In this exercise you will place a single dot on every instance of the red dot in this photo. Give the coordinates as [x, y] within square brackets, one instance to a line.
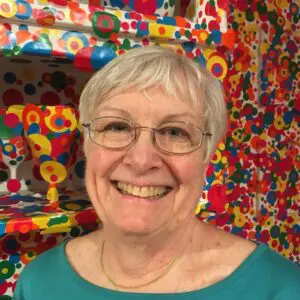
[133, 24]
[13, 154]
[143, 26]
[37, 147]
[50, 98]
[13, 185]
[12, 96]
[125, 26]
[53, 178]
[11, 120]
[68, 123]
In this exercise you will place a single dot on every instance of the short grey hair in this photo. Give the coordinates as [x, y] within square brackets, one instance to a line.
[147, 67]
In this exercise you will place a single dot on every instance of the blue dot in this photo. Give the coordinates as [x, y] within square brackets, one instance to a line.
[9, 77]
[27, 182]
[14, 258]
[177, 35]
[29, 89]
[59, 122]
[217, 69]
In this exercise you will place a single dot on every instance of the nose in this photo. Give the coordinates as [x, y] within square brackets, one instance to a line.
[143, 156]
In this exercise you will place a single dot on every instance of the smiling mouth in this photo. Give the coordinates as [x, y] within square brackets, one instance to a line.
[149, 192]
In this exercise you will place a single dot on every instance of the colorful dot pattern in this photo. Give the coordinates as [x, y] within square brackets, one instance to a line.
[253, 180]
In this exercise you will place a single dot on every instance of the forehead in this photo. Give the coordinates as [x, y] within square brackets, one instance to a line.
[153, 103]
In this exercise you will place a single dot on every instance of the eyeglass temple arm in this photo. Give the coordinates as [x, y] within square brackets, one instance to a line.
[207, 134]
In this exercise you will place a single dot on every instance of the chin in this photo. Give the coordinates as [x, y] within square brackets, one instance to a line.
[135, 227]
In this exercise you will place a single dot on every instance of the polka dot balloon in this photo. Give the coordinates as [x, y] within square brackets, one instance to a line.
[51, 131]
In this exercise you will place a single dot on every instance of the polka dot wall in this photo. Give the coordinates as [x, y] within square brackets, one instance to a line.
[253, 178]
[259, 160]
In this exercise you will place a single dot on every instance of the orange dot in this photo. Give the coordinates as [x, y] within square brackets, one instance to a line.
[50, 169]
[73, 5]
[32, 118]
[162, 30]
[113, 36]
[21, 8]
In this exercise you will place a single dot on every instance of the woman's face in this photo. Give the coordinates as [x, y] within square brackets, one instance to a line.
[111, 175]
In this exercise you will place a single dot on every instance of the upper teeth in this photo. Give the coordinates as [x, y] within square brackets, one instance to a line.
[144, 191]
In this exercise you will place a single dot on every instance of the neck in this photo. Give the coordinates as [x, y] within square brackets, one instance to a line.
[132, 260]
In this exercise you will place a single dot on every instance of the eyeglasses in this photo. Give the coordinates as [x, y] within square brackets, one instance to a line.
[171, 137]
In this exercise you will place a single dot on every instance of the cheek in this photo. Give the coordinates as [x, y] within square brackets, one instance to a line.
[100, 161]
[188, 170]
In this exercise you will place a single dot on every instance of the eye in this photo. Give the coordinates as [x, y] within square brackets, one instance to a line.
[173, 132]
[116, 127]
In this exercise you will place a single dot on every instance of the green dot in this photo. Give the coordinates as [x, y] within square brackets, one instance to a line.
[229, 105]
[203, 25]
[235, 26]
[7, 269]
[236, 114]
[3, 176]
[282, 237]
[13, 162]
[50, 136]
[126, 43]
[18, 265]
[75, 231]
[187, 33]
[166, 5]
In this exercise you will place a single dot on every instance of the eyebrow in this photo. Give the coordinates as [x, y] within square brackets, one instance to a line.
[169, 117]
[118, 110]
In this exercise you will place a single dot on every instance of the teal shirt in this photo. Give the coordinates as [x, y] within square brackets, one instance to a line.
[263, 275]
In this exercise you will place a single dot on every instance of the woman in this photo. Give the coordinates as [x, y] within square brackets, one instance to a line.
[153, 119]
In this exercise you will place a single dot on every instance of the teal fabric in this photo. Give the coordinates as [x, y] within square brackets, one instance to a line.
[263, 275]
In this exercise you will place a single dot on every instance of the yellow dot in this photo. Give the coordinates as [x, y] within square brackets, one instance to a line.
[238, 66]
[4, 271]
[203, 36]
[222, 146]
[8, 148]
[224, 160]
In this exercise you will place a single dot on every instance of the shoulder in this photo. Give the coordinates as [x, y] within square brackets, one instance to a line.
[273, 263]
[48, 259]
[43, 268]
